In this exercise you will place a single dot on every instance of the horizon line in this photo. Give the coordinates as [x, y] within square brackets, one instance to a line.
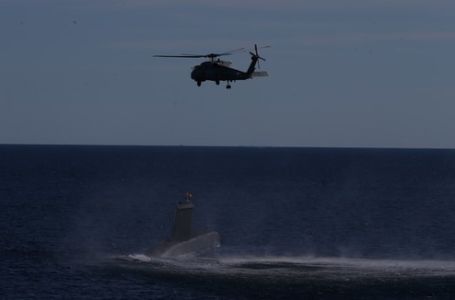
[228, 146]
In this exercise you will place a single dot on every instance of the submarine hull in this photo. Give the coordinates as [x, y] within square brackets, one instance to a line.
[199, 245]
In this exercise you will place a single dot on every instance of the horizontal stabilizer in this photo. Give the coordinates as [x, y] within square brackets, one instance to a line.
[260, 74]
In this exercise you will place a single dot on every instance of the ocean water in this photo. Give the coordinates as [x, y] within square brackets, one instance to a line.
[295, 223]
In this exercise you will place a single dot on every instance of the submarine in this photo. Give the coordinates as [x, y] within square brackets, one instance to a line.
[184, 241]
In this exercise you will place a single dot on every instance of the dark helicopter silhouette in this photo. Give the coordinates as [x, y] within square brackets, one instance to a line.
[218, 70]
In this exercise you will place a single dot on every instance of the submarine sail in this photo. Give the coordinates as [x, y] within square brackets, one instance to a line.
[183, 220]
[183, 240]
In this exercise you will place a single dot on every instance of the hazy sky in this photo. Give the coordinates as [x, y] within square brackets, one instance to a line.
[350, 73]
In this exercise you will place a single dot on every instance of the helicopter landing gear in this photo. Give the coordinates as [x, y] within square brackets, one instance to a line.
[217, 82]
[198, 83]
[228, 86]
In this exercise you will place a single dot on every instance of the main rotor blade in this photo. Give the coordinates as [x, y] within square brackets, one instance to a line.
[181, 56]
[232, 51]
[210, 55]
[213, 55]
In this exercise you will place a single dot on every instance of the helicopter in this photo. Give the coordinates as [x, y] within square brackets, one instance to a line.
[218, 70]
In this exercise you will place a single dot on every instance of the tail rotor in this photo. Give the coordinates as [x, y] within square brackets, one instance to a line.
[256, 54]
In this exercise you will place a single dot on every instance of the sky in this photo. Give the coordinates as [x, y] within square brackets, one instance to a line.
[350, 73]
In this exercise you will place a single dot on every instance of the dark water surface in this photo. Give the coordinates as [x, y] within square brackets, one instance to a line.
[295, 223]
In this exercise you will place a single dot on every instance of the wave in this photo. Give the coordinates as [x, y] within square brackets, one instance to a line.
[293, 277]
[296, 266]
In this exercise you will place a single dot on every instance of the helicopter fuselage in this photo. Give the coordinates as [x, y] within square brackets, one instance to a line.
[214, 71]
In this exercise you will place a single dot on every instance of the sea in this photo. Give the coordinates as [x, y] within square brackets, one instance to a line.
[76, 222]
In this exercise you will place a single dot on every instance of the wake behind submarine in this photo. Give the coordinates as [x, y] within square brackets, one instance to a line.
[183, 240]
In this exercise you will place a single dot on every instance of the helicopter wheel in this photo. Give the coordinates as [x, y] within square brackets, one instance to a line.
[228, 86]
[217, 82]
[198, 83]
